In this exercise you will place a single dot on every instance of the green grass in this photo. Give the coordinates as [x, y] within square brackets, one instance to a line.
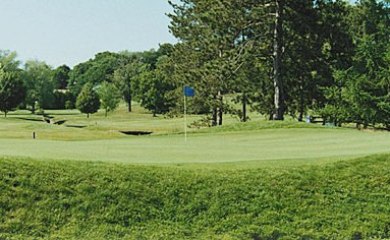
[21, 124]
[84, 200]
[270, 144]
[255, 180]
[254, 143]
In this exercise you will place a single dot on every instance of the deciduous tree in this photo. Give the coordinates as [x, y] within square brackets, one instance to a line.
[12, 91]
[109, 97]
[88, 100]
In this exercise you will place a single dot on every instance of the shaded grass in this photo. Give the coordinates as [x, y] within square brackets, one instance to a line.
[86, 200]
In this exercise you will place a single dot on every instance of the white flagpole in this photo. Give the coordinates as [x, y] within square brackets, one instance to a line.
[185, 118]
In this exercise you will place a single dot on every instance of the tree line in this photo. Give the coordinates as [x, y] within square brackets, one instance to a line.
[324, 58]
[100, 82]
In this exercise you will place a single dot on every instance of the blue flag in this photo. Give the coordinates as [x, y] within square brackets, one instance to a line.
[189, 91]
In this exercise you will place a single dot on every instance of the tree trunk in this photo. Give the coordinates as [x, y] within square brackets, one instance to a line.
[220, 119]
[5, 113]
[220, 109]
[129, 104]
[214, 119]
[244, 101]
[105, 114]
[278, 52]
[301, 104]
[33, 108]
[214, 116]
[87, 115]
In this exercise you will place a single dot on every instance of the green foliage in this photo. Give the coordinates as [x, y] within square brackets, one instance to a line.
[97, 70]
[8, 61]
[125, 77]
[155, 88]
[109, 97]
[12, 91]
[61, 77]
[66, 200]
[330, 58]
[88, 100]
[213, 47]
[37, 78]
[365, 86]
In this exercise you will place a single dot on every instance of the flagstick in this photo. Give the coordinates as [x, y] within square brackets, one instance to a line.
[185, 118]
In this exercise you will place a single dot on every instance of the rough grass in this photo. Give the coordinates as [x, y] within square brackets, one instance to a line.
[82, 200]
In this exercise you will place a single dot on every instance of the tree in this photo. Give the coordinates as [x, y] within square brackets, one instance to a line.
[12, 91]
[124, 76]
[60, 80]
[212, 48]
[278, 61]
[363, 91]
[109, 97]
[38, 80]
[155, 88]
[96, 71]
[88, 100]
[8, 61]
[61, 77]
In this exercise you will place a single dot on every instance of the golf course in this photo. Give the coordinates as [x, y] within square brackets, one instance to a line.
[85, 178]
[195, 120]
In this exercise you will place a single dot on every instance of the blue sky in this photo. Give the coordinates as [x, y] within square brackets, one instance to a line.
[72, 31]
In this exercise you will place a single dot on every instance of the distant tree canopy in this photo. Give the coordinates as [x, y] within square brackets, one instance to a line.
[37, 78]
[97, 70]
[61, 77]
[324, 58]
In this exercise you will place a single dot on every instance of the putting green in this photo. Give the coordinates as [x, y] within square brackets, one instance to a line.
[269, 144]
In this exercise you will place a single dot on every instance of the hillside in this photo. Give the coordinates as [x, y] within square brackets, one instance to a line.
[86, 200]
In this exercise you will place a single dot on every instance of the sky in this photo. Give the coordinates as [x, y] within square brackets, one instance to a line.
[73, 31]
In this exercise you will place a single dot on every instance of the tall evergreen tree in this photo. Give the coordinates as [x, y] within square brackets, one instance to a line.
[368, 86]
[211, 34]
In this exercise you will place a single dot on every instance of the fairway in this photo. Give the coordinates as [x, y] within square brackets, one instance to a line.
[307, 144]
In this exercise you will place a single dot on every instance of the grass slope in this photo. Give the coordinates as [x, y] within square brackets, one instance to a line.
[81, 200]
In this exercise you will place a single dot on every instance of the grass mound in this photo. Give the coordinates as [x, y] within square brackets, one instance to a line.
[81, 200]
[259, 125]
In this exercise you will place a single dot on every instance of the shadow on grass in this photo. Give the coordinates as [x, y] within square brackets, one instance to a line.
[136, 133]
[76, 126]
